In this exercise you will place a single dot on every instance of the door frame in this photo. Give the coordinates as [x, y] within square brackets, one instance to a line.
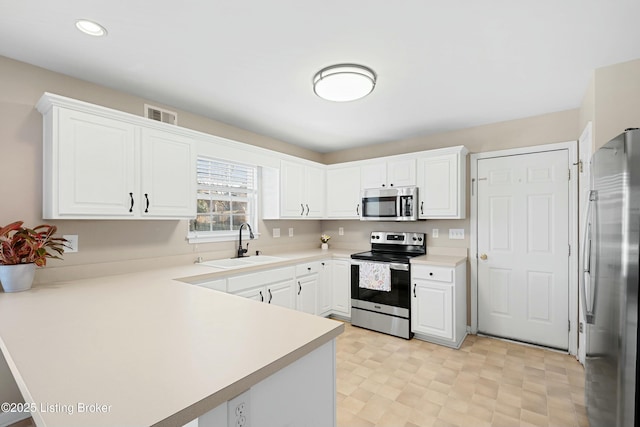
[572, 169]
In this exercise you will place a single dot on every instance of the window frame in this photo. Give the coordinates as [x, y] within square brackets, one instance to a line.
[253, 201]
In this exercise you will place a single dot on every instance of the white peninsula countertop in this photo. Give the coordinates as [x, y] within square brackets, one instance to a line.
[143, 349]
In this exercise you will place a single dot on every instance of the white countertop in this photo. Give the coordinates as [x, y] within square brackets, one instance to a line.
[439, 260]
[152, 349]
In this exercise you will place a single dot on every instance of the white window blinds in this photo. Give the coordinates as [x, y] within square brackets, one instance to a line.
[227, 197]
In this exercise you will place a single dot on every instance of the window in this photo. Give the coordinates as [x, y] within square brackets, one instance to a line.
[227, 197]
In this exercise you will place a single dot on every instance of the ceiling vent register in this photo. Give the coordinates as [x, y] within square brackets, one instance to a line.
[160, 114]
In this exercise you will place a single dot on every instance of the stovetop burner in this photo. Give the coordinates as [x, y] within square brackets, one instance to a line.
[394, 247]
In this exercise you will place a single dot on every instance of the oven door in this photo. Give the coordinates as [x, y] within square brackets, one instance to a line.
[397, 296]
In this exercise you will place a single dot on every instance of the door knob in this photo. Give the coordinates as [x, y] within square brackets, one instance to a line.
[483, 257]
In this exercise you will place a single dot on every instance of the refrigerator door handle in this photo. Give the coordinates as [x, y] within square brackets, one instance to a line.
[586, 260]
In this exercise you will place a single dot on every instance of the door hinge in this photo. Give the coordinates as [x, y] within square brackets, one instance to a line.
[581, 328]
[569, 250]
[569, 174]
[569, 325]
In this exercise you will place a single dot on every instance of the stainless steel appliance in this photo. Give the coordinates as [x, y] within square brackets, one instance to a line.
[390, 204]
[610, 283]
[381, 282]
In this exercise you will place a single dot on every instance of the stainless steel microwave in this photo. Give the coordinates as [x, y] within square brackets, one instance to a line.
[390, 204]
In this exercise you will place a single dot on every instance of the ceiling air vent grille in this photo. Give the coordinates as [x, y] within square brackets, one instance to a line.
[160, 114]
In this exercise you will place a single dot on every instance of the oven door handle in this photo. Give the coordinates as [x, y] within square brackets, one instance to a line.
[392, 265]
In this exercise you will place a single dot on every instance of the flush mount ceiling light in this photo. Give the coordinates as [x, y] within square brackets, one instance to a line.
[91, 28]
[344, 82]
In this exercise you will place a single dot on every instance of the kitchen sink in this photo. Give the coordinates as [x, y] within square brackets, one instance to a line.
[241, 262]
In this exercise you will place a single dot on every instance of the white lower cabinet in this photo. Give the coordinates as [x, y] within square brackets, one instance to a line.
[301, 394]
[341, 288]
[439, 304]
[322, 288]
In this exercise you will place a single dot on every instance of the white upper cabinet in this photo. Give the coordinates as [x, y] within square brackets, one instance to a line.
[343, 192]
[104, 164]
[302, 190]
[391, 173]
[442, 183]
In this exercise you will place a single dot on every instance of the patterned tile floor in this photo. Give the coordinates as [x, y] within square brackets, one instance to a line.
[390, 382]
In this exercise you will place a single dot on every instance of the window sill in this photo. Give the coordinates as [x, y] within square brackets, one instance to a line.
[194, 238]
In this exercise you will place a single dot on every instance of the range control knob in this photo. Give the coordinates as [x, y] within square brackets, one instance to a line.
[415, 238]
[420, 239]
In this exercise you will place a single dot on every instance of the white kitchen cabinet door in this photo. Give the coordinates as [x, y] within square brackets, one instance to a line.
[401, 173]
[168, 181]
[442, 189]
[324, 289]
[307, 294]
[90, 166]
[341, 287]
[292, 179]
[281, 294]
[343, 192]
[373, 175]
[432, 309]
[315, 192]
[302, 190]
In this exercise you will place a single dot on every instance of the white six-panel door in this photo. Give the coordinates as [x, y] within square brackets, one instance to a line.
[523, 247]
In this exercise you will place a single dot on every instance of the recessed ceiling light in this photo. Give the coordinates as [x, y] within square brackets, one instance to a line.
[344, 82]
[91, 28]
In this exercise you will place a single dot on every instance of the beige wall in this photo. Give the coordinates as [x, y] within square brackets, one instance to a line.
[616, 100]
[544, 129]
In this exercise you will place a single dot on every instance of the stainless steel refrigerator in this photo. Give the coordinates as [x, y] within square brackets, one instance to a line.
[610, 283]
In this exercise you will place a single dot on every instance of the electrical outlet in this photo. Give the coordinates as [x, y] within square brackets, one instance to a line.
[435, 232]
[276, 232]
[239, 410]
[456, 234]
[340, 231]
[291, 232]
[72, 243]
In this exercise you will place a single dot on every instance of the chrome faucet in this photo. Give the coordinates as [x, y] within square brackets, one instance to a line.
[242, 251]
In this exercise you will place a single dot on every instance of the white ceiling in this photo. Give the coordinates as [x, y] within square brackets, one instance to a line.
[442, 65]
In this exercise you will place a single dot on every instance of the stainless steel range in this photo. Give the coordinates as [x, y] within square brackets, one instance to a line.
[381, 282]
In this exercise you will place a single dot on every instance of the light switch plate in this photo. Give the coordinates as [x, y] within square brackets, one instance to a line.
[276, 232]
[291, 232]
[340, 231]
[435, 232]
[456, 233]
[72, 243]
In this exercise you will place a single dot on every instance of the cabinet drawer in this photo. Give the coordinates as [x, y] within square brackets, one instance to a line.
[265, 277]
[427, 272]
[308, 268]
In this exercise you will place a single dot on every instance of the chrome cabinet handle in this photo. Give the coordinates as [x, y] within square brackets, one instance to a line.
[307, 210]
[299, 287]
[146, 196]
[270, 296]
[302, 211]
[422, 208]
[414, 290]
[131, 207]
[358, 209]
[261, 297]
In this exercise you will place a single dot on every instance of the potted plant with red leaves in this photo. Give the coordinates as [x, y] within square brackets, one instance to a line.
[22, 249]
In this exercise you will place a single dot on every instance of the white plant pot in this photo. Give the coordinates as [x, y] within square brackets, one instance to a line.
[18, 277]
[325, 246]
